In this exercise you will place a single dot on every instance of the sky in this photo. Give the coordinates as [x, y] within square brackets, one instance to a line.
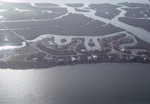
[79, 1]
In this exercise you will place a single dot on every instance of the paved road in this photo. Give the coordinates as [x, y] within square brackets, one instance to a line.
[22, 38]
[30, 43]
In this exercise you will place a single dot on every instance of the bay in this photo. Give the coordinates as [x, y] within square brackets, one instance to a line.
[104, 83]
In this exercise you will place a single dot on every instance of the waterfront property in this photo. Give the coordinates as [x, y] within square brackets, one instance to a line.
[50, 50]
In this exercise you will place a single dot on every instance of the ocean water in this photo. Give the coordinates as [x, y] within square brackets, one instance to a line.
[104, 83]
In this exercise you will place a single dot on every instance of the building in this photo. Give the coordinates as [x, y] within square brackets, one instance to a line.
[83, 50]
[59, 61]
[79, 59]
[122, 50]
[73, 59]
[48, 59]
[132, 58]
[34, 60]
[89, 58]
[50, 43]
[120, 56]
[95, 58]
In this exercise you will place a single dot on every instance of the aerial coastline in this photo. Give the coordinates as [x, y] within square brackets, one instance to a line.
[51, 38]
[54, 50]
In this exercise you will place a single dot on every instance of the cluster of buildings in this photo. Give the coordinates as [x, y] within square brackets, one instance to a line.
[63, 60]
[85, 55]
[131, 54]
[108, 39]
[50, 43]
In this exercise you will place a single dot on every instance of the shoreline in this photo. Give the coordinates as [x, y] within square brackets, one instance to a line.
[76, 42]
[38, 55]
[31, 65]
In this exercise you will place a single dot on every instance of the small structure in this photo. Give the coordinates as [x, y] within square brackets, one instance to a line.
[59, 61]
[48, 59]
[120, 56]
[34, 60]
[95, 58]
[73, 59]
[122, 50]
[50, 43]
[79, 59]
[132, 58]
[83, 50]
[89, 58]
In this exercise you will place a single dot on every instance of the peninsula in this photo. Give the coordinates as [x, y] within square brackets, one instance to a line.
[44, 35]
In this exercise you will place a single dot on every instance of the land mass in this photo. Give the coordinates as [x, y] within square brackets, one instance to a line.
[46, 35]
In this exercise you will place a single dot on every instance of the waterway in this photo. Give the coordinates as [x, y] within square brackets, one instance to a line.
[79, 1]
[104, 83]
[139, 32]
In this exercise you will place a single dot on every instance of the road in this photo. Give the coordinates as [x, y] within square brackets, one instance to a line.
[32, 45]
[23, 39]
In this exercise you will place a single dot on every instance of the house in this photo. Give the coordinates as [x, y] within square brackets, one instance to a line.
[73, 59]
[132, 58]
[83, 50]
[59, 61]
[79, 59]
[34, 60]
[89, 58]
[95, 57]
[122, 50]
[120, 56]
[48, 59]
[49, 43]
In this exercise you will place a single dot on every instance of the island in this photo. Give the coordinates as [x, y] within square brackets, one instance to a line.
[44, 35]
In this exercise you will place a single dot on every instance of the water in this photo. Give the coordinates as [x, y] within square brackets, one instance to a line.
[106, 83]
[79, 1]
[139, 32]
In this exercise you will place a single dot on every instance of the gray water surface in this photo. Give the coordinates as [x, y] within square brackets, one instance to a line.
[105, 83]
[79, 1]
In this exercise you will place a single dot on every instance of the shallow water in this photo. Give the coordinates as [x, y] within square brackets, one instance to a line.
[105, 83]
